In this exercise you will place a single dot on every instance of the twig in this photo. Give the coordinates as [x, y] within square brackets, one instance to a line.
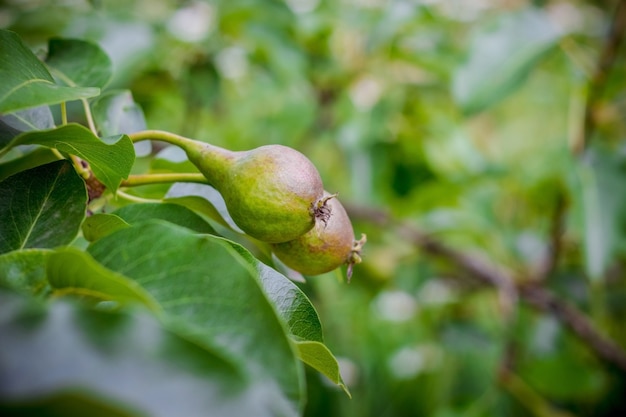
[479, 269]
[536, 296]
[606, 59]
[554, 246]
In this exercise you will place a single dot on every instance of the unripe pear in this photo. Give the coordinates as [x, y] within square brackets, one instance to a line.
[273, 193]
[327, 246]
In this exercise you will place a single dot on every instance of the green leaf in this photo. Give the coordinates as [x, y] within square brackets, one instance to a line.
[291, 303]
[25, 80]
[65, 359]
[26, 158]
[13, 124]
[317, 355]
[42, 207]
[602, 177]
[111, 159]
[203, 199]
[99, 225]
[501, 55]
[79, 63]
[75, 272]
[209, 292]
[173, 213]
[115, 112]
[300, 315]
[25, 271]
[301, 318]
[36, 118]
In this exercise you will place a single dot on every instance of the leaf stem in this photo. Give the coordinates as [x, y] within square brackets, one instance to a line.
[63, 113]
[89, 117]
[145, 179]
[82, 168]
[56, 153]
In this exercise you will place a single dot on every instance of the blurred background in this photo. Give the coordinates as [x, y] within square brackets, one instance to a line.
[479, 144]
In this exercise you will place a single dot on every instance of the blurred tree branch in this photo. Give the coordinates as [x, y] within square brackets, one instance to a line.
[599, 78]
[554, 246]
[533, 293]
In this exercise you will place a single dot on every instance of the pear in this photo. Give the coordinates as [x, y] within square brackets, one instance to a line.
[273, 193]
[325, 247]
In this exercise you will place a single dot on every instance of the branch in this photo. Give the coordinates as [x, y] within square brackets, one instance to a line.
[478, 268]
[536, 296]
[554, 246]
[578, 323]
[606, 59]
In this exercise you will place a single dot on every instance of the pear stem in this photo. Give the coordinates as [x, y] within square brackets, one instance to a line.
[164, 136]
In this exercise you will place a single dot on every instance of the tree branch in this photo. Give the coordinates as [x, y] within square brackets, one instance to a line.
[554, 246]
[533, 294]
[472, 264]
[599, 78]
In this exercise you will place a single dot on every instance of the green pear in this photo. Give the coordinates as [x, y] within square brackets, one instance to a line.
[273, 193]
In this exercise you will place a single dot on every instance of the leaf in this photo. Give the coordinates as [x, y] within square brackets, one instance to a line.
[111, 159]
[602, 177]
[26, 158]
[25, 80]
[207, 291]
[300, 315]
[301, 318]
[99, 225]
[115, 112]
[42, 207]
[75, 272]
[501, 55]
[173, 213]
[317, 355]
[79, 63]
[12, 124]
[292, 304]
[36, 118]
[25, 271]
[203, 199]
[7, 132]
[64, 359]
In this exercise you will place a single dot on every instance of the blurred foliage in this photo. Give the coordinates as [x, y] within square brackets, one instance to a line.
[460, 117]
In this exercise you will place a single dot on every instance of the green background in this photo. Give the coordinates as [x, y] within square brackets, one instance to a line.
[462, 121]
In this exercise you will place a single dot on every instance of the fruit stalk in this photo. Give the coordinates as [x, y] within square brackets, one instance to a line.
[213, 161]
